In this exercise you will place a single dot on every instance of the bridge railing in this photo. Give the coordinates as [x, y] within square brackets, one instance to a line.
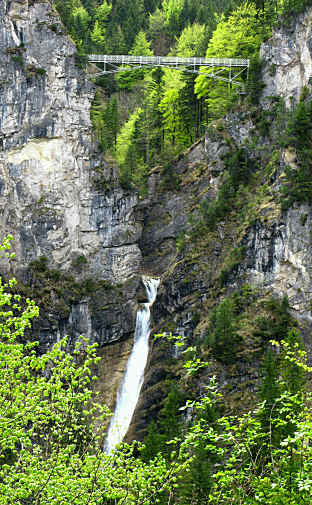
[167, 60]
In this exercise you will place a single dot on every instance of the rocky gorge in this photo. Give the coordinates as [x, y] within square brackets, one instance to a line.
[81, 251]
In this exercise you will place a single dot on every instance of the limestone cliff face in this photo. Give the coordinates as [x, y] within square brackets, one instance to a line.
[279, 257]
[47, 161]
[288, 59]
[48, 154]
[280, 252]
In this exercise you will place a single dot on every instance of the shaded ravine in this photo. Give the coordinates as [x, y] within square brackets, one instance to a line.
[128, 393]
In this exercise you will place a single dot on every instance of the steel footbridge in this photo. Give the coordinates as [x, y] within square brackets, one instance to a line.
[224, 69]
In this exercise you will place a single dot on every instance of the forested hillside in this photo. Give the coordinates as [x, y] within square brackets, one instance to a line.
[147, 117]
[215, 200]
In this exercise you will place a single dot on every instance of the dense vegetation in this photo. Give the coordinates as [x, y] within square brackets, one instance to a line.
[51, 429]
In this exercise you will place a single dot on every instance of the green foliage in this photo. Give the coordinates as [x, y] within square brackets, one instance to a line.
[289, 8]
[40, 264]
[81, 59]
[56, 291]
[239, 168]
[128, 15]
[51, 426]
[192, 41]
[180, 241]
[196, 483]
[80, 21]
[223, 338]
[174, 116]
[141, 47]
[182, 114]
[283, 374]
[293, 356]
[173, 16]
[46, 432]
[169, 426]
[299, 128]
[242, 298]
[260, 458]
[239, 35]
[141, 139]
[105, 121]
[170, 179]
[263, 457]
[276, 323]
[98, 34]
[171, 110]
[18, 59]
[255, 83]
[232, 265]
[157, 32]
[298, 137]
[131, 154]
[270, 388]
[247, 477]
[79, 262]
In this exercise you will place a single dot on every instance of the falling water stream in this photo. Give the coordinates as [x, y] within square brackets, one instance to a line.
[128, 393]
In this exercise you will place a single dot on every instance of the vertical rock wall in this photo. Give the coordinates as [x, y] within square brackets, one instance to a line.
[287, 59]
[48, 158]
[47, 153]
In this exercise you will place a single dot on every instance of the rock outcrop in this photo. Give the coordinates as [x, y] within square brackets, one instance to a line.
[48, 158]
[48, 153]
[287, 59]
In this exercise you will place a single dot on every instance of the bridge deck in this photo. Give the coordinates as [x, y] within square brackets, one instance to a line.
[167, 61]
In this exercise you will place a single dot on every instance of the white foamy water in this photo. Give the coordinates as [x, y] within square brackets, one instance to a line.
[128, 393]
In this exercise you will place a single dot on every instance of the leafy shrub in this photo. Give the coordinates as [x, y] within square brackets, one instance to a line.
[80, 261]
[54, 27]
[40, 264]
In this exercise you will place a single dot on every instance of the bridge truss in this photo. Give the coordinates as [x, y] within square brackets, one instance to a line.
[223, 69]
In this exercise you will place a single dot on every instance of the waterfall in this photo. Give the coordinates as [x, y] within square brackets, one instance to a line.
[128, 393]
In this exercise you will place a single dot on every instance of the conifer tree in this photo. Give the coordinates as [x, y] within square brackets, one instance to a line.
[240, 35]
[269, 393]
[225, 337]
[98, 35]
[80, 23]
[293, 375]
[173, 13]
[141, 47]
[168, 426]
